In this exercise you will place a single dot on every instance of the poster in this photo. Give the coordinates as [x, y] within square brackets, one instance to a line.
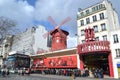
[57, 62]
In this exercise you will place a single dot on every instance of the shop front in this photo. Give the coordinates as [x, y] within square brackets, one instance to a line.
[96, 55]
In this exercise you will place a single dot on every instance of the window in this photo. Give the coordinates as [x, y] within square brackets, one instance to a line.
[100, 6]
[87, 20]
[82, 32]
[97, 7]
[105, 37]
[94, 18]
[115, 37]
[97, 38]
[87, 11]
[95, 28]
[93, 9]
[82, 14]
[82, 22]
[103, 27]
[101, 16]
[117, 52]
[83, 41]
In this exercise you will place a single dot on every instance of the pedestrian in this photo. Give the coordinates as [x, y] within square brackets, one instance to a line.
[7, 72]
[64, 72]
[23, 72]
[73, 75]
[86, 72]
[3, 72]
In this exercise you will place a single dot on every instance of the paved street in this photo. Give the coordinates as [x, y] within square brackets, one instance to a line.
[46, 77]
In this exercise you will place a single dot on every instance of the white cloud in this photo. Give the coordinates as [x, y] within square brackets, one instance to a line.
[60, 9]
[20, 11]
[24, 14]
[71, 42]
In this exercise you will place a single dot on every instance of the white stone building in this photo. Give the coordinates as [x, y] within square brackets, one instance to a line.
[29, 41]
[115, 49]
[40, 42]
[23, 42]
[104, 19]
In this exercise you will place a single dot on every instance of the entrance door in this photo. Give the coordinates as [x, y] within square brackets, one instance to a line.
[97, 61]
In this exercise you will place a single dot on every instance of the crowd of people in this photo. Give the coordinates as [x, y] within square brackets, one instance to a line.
[97, 73]
[4, 71]
[23, 71]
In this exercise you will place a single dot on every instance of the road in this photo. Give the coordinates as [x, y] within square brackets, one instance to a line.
[46, 77]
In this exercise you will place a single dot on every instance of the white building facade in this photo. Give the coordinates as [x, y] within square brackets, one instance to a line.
[23, 42]
[115, 49]
[104, 19]
[40, 42]
[29, 41]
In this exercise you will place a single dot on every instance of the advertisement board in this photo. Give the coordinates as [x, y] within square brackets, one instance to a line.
[57, 62]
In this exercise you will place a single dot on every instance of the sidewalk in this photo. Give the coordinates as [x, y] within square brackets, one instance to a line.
[70, 78]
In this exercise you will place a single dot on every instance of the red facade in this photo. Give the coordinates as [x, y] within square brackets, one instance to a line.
[57, 62]
[92, 47]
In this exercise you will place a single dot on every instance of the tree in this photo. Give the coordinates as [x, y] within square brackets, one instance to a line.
[7, 27]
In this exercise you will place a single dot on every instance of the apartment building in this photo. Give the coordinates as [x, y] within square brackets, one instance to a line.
[104, 19]
[23, 42]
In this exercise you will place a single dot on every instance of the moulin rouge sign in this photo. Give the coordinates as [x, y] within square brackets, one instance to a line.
[57, 62]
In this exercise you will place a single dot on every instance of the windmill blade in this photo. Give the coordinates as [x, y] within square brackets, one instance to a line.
[52, 21]
[65, 21]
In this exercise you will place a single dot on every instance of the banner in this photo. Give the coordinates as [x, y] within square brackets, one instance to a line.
[57, 62]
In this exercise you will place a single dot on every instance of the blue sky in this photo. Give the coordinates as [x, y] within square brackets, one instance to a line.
[28, 13]
[84, 4]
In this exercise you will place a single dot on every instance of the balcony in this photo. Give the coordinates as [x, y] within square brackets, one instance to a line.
[95, 46]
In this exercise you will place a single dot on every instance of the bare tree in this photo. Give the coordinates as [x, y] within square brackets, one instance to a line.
[7, 27]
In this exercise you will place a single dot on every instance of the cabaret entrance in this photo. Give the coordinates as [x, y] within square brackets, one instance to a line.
[95, 54]
[94, 61]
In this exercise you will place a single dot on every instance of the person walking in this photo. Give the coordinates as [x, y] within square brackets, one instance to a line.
[7, 72]
[73, 75]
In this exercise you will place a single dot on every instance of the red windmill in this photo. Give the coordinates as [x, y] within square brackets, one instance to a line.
[59, 36]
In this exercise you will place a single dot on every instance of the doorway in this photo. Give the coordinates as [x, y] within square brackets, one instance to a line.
[97, 61]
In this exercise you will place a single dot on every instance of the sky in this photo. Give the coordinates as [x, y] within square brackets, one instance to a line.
[28, 13]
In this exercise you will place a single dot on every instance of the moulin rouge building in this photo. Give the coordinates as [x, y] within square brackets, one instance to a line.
[103, 18]
[91, 54]
[98, 46]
